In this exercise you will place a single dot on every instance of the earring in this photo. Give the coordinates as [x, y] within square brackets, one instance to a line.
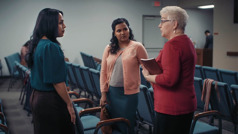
[174, 31]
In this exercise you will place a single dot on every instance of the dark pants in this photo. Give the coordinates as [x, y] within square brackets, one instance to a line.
[121, 105]
[172, 124]
[50, 114]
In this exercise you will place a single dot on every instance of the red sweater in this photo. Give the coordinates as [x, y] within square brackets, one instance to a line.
[174, 92]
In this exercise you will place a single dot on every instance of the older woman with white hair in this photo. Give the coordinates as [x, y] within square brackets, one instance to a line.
[174, 94]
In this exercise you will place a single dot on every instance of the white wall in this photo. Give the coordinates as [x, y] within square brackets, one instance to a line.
[88, 23]
[227, 38]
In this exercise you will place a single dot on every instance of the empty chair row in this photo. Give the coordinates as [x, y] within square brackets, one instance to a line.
[86, 80]
[222, 75]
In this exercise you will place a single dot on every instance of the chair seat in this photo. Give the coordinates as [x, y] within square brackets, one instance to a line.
[89, 121]
[78, 108]
[204, 128]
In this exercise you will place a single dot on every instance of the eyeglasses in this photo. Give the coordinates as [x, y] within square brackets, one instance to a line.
[163, 21]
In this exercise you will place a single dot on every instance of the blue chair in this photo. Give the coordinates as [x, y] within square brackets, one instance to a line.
[89, 61]
[200, 127]
[88, 123]
[222, 101]
[10, 60]
[88, 81]
[3, 124]
[79, 79]
[96, 81]
[210, 72]
[145, 110]
[71, 76]
[143, 80]
[198, 89]
[228, 76]
[4, 129]
[198, 72]
[234, 89]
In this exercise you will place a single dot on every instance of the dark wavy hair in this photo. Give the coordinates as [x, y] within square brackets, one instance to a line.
[46, 25]
[114, 42]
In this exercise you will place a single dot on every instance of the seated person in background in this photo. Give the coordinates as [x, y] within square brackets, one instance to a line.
[24, 50]
[209, 40]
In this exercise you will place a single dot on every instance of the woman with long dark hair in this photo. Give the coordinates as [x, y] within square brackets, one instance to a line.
[120, 73]
[52, 108]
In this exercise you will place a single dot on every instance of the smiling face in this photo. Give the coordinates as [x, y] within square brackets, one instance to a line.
[122, 32]
[61, 26]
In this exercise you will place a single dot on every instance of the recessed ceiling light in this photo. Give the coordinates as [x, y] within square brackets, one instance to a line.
[206, 6]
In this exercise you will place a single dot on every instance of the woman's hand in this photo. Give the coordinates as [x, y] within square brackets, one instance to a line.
[103, 99]
[145, 72]
[148, 77]
[71, 112]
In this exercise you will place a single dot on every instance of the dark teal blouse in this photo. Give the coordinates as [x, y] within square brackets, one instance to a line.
[48, 67]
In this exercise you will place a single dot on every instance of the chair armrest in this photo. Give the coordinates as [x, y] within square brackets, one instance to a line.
[207, 114]
[111, 122]
[83, 100]
[4, 128]
[73, 93]
[89, 111]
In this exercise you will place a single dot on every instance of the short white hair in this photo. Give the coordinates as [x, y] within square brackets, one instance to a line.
[176, 13]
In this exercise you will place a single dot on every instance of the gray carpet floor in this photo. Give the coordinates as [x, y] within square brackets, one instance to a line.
[20, 122]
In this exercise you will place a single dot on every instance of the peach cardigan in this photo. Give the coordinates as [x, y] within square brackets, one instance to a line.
[131, 56]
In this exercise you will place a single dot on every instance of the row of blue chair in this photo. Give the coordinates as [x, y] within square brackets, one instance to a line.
[222, 75]
[86, 80]
[3, 121]
[225, 102]
[146, 110]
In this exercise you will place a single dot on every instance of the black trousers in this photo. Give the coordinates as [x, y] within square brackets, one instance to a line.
[172, 124]
[50, 114]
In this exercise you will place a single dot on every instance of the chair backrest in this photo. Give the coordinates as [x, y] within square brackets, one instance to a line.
[88, 60]
[221, 100]
[198, 89]
[210, 72]
[234, 89]
[145, 106]
[71, 76]
[228, 76]
[96, 80]
[78, 76]
[198, 72]
[88, 80]
[10, 60]
[143, 80]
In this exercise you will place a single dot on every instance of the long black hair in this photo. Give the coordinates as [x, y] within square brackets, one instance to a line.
[46, 25]
[114, 42]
